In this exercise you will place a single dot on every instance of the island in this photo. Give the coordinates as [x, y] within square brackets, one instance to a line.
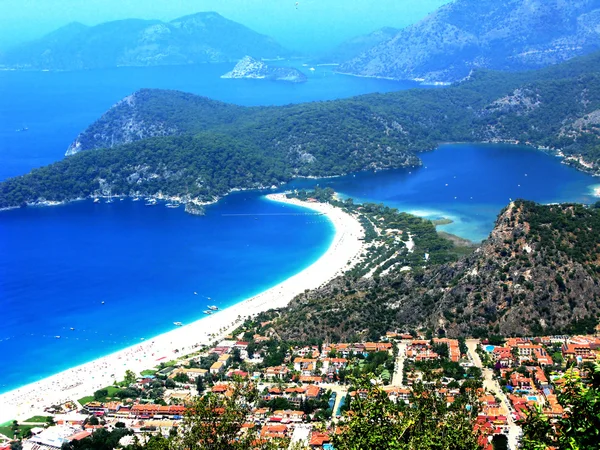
[249, 67]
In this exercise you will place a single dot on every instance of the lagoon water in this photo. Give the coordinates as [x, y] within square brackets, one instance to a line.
[57, 265]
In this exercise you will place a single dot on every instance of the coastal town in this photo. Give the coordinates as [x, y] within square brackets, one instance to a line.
[306, 390]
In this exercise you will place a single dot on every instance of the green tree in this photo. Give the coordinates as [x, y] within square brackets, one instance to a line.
[129, 378]
[100, 395]
[375, 422]
[215, 422]
[579, 429]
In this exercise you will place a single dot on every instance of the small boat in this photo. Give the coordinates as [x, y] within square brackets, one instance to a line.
[172, 205]
[103, 302]
[178, 324]
[96, 200]
[136, 199]
[57, 337]
[150, 202]
[195, 293]
[208, 313]
[213, 308]
[72, 329]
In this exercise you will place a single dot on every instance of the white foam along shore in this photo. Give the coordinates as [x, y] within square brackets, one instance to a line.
[83, 380]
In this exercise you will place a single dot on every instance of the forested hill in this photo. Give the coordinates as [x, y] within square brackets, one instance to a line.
[205, 37]
[537, 273]
[173, 143]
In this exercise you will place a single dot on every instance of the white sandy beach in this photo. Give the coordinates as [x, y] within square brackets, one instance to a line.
[83, 380]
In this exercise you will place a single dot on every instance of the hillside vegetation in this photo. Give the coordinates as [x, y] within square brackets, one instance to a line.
[175, 143]
[537, 273]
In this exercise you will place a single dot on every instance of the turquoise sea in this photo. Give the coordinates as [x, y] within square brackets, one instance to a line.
[58, 264]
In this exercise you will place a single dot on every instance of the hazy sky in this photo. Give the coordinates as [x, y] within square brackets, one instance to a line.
[313, 25]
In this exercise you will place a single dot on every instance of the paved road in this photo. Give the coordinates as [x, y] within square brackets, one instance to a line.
[491, 385]
[399, 366]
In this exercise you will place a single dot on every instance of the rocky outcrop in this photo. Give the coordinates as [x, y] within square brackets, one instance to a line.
[199, 38]
[249, 67]
[122, 124]
[151, 113]
[469, 34]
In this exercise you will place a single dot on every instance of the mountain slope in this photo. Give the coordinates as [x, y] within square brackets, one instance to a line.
[198, 38]
[355, 46]
[537, 273]
[468, 34]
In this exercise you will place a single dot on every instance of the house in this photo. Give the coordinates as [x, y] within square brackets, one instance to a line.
[313, 392]
[274, 431]
[192, 374]
[521, 382]
[334, 363]
[217, 367]
[310, 379]
[276, 372]
[318, 439]
[578, 351]
[305, 366]
[149, 411]
[289, 415]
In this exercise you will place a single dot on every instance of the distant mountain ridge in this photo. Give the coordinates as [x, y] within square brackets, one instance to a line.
[469, 34]
[205, 37]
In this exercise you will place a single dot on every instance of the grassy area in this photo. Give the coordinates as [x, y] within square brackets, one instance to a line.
[147, 372]
[85, 400]
[6, 431]
[23, 430]
[39, 419]
[112, 390]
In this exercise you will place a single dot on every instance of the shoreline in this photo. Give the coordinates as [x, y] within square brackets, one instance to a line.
[84, 379]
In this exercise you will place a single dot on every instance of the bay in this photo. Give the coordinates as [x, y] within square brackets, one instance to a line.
[57, 265]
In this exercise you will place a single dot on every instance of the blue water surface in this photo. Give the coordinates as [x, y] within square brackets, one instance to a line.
[470, 184]
[58, 264]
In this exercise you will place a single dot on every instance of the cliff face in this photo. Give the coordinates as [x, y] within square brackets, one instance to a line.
[536, 273]
[199, 38]
[249, 67]
[470, 34]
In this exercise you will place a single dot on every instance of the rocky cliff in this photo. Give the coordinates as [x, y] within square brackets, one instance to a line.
[249, 67]
[198, 38]
[469, 34]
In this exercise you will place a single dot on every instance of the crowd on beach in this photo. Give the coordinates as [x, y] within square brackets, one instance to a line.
[77, 382]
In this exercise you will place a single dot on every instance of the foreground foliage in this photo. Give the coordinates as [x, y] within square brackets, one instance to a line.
[579, 428]
[375, 422]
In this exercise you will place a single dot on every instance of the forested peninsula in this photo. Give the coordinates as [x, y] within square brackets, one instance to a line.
[170, 143]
